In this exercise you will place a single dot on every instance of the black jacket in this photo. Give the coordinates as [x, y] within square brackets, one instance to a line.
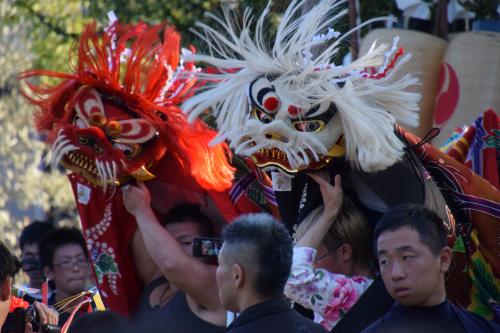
[441, 318]
[274, 316]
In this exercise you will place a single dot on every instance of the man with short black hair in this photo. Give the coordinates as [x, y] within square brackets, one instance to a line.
[254, 265]
[411, 246]
[30, 254]
[65, 262]
[189, 212]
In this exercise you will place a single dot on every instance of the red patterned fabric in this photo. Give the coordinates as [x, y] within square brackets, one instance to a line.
[479, 147]
[108, 229]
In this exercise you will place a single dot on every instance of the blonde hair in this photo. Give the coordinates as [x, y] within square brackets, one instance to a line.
[350, 226]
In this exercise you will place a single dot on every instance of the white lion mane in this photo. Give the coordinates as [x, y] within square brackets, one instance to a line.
[368, 107]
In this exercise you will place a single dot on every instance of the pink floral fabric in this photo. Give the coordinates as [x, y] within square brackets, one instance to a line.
[329, 295]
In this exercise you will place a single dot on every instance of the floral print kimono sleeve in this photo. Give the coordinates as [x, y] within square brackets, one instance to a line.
[329, 295]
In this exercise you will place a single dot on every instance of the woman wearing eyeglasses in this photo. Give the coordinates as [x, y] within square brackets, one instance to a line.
[332, 258]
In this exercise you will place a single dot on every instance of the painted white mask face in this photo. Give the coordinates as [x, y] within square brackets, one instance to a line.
[280, 133]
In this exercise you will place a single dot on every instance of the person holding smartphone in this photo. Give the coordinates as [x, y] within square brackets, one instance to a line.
[181, 293]
[7, 270]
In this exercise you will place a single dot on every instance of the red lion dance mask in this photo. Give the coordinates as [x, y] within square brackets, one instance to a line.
[116, 115]
[115, 118]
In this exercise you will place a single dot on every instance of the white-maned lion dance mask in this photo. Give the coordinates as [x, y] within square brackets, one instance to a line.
[285, 108]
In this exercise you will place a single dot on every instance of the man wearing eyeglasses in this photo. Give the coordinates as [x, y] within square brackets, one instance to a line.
[181, 292]
[66, 264]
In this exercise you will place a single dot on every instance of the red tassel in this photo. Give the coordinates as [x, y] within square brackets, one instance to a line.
[68, 322]
[398, 54]
[45, 292]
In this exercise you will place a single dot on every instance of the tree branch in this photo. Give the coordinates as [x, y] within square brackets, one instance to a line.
[46, 21]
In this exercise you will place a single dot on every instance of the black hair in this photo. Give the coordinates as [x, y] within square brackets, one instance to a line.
[57, 238]
[191, 212]
[100, 322]
[428, 225]
[34, 232]
[259, 241]
[7, 263]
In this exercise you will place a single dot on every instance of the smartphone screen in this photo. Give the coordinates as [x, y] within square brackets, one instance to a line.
[206, 247]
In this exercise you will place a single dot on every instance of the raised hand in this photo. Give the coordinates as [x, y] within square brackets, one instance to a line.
[333, 195]
[136, 199]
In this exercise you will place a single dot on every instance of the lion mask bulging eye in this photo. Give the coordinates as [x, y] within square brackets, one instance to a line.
[129, 150]
[263, 96]
[262, 116]
[309, 125]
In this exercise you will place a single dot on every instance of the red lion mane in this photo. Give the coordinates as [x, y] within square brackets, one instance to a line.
[136, 66]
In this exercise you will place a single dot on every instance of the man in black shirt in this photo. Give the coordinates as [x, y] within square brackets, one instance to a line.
[181, 292]
[412, 251]
[254, 265]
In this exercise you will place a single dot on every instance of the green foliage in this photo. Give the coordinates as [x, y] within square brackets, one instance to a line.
[25, 190]
[383, 8]
[181, 14]
[53, 28]
[484, 9]
[56, 24]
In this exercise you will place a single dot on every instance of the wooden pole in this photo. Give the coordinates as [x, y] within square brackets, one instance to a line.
[354, 42]
[441, 23]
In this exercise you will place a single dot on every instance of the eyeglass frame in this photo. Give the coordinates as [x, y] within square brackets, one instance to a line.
[315, 260]
[322, 256]
[80, 263]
